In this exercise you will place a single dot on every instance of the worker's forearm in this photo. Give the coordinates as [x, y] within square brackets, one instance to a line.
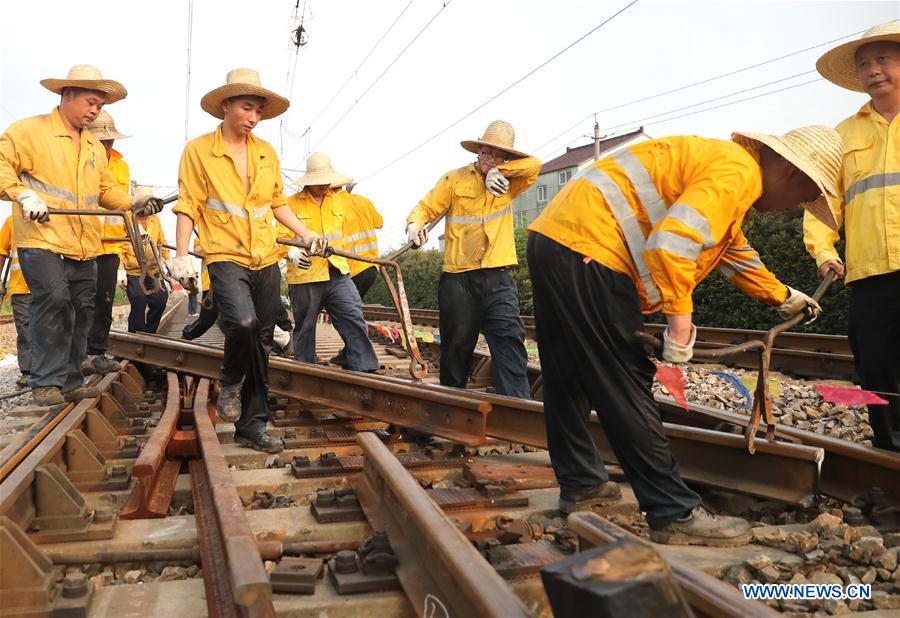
[183, 229]
[679, 327]
[286, 217]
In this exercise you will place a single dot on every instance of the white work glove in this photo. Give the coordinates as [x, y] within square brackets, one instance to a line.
[299, 258]
[796, 302]
[122, 279]
[416, 234]
[33, 207]
[678, 352]
[281, 337]
[496, 183]
[146, 204]
[183, 271]
[317, 243]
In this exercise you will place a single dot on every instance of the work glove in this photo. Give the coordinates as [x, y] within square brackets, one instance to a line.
[318, 244]
[495, 182]
[836, 265]
[122, 279]
[416, 234]
[796, 302]
[146, 204]
[299, 258]
[678, 352]
[281, 337]
[183, 271]
[33, 207]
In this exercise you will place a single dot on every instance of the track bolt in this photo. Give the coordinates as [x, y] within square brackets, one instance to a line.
[345, 562]
[346, 498]
[130, 442]
[280, 414]
[301, 461]
[289, 434]
[325, 497]
[75, 585]
[102, 515]
[119, 470]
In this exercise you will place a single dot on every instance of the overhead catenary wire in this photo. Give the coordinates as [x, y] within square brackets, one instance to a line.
[504, 90]
[187, 72]
[291, 75]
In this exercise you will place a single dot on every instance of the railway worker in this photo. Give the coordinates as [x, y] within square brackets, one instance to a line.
[869, 207]
[146, 309]
[324, 282]
[360, 222]
[633, 233]
[104, 128]
[50, 161]
[229, 186]
[19, 298]
[476, 292]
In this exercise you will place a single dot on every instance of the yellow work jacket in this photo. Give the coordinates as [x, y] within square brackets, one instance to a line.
[326, 219]
[16, 282]
[235, 225]
[154, 232]
[112, 225]
[37, 153]
[204, 271]
[870, 207]
[666, 212]
[479, 230]
[360, 222]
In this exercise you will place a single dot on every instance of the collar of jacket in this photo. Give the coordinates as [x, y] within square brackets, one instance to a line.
[868, 111]
[219, 148]
[114, 154]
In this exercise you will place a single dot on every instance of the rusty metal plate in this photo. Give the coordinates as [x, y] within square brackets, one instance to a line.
[518, 476]
[523, 558]
[296, 575]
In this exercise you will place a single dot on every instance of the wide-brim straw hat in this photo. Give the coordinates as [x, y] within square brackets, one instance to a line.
[104, 128]
[839, 64]
[243, 83]
[814, 150]
[89, 77]
[320, 172]
[499, 135]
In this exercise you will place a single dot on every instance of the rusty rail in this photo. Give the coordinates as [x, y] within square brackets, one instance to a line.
[422, 535]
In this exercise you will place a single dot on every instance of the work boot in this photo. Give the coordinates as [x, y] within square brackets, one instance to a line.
[22, 382]
[79, 393]
[585, 499]
[700, 527]
[46, 396]
[339, 359]
[87, 367]
[228, 406]
[104, 364]
[261, 442]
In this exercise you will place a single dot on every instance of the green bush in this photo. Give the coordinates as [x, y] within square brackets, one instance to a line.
[421, 273]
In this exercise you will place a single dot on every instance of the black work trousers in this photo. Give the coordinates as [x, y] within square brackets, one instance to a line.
[586, 317]
[874, 333]
[248, 303]
[483, 300]
[107, 275]
[209, 313]
[365, 280]
[146, 309]
[62, 307]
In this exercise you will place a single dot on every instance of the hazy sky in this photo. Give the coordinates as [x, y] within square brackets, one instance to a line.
[470, 52]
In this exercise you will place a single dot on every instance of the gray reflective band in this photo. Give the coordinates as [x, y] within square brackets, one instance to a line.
[362, 248]
[236, 211]
[750, 261]
[359, 236]
[674, 243]
[479, 220]
[13, 261]
[92, 200]
[694, 220]
[334, 236]
[643, 185]
[111, 220]
[628, 223]
[53, 191]
[875, 181]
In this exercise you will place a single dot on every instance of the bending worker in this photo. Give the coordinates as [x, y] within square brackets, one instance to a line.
[636, 232]
[146, 309]
[869, 207]
[475, 292]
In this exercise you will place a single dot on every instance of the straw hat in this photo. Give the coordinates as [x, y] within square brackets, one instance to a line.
[320, 172]
[87, 76]
[104, 128]
[243, 82]
[839, 64]
[499, 135]
[816, 151]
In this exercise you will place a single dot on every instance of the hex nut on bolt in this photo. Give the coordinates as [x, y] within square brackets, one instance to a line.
[102, 515]
[75, 585]
[345, 562]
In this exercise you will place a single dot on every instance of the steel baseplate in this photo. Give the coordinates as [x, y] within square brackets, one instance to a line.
[369, 568]
[296, 575]
[60, 512]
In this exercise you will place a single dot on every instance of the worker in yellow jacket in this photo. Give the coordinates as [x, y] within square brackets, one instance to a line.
[869, 208]
[636, 232]
[324, 282]
[230, 189]
[19, 298]
[52, 161]
[146, 309]
[360, 222]
[104, 128]
[476, 293]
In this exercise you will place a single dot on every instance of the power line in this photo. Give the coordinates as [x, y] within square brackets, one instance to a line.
[444, 5]
[187, 76]
[504, 90]
[11, 115]
[291, 76]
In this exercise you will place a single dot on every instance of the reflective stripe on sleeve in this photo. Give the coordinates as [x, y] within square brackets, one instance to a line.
[479, 220]
[875, 181]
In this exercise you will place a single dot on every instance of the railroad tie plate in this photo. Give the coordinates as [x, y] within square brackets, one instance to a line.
[296, 575]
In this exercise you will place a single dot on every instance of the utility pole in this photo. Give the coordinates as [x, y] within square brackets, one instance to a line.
[596, 139]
